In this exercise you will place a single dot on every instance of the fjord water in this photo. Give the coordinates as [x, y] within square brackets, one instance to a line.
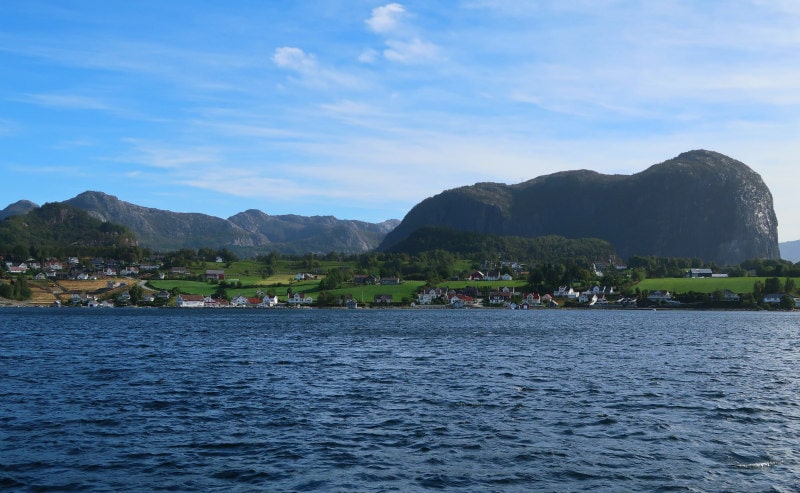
[398, 400]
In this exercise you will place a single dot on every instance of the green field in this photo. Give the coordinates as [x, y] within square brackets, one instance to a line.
[280, 288]
[703, 285]
[247, 272]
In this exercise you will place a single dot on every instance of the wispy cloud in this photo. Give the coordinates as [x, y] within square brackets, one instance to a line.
[167, 157]
[411, 51]
[312, 73]
[69, 101]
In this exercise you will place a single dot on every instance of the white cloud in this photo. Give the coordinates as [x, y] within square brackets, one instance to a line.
[368, 56]
[293, 58]
[402, 45]
[386, 18]
[412, 51]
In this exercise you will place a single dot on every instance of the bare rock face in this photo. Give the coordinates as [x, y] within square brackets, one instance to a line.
[700, 204]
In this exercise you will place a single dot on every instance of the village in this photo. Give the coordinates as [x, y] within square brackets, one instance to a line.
[98, 282]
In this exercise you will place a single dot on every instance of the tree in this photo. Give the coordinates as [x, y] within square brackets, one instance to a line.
[136, 293]
[333, 280]
[772, 285]
[20, 253]
[787, 302]
[758, 290]
[18, 290]
[221, 291]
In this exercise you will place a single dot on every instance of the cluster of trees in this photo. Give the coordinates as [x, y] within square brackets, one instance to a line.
[59, 230]
[770, 268]
[659, 267]
[16, 289]
[186, 257]
[477, 245]
[774, 285]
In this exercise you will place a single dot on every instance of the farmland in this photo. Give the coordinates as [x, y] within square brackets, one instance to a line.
[702, 285]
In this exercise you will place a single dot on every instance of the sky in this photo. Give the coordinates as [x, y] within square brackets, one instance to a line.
[361, 109]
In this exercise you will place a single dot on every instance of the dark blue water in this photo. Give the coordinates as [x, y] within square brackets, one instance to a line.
[398, 400]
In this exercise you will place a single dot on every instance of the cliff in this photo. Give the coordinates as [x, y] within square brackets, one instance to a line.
[700, 204]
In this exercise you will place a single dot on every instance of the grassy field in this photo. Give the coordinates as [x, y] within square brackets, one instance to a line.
[703, 285]
[281, 283]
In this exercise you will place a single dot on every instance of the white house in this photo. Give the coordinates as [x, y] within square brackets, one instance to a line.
[659, 296]
[773, 298]
[728, 295]
[500, 297]
[191, 301]
[240, 301]
[531, 299]
[565, 292]
[298, 299]
[269, 302]
[426, 297]
[124, 298]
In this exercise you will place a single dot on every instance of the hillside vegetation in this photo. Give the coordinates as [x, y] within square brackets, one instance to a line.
[56, 229]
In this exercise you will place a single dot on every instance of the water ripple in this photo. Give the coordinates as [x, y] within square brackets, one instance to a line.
[390, 400]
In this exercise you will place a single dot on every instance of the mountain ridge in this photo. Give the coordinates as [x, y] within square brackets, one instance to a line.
[246, 233]
[694, 185]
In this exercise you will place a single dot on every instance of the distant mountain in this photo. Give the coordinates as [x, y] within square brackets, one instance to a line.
[309, 234]
[246, 233]
[17, 209]
[55, 227]
[790, 250]
[700, 204]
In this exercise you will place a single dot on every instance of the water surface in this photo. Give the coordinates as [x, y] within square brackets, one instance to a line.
[398, 400]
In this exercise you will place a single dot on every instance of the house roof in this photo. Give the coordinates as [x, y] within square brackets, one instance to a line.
[192, 297]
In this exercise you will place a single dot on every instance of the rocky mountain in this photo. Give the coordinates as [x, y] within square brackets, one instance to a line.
[700, 204]
[17, 209]
[790, 250]
[310, 234]
[246, 233]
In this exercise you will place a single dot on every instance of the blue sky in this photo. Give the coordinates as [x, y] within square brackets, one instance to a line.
[361, 109]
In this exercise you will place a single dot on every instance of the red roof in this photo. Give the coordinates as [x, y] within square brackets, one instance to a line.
[193, 297]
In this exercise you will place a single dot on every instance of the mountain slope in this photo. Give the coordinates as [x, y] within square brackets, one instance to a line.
[246, 233]
[790, 250]
[307, 234]
[699, 204]
[17, 209]
[54, 226]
